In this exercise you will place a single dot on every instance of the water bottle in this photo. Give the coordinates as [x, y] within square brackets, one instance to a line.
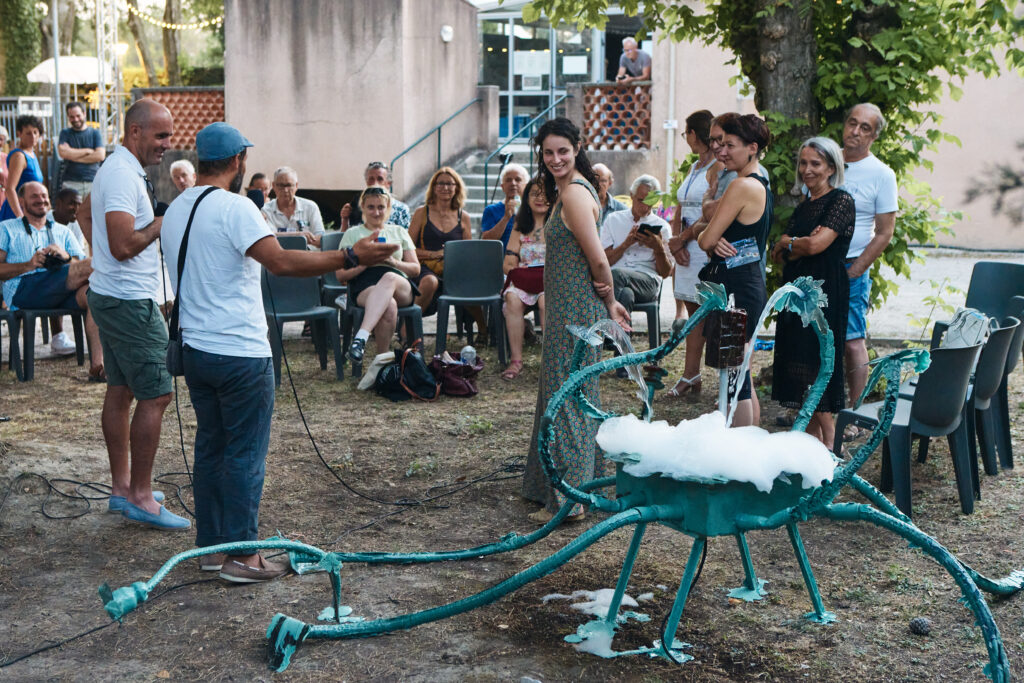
[468, 355]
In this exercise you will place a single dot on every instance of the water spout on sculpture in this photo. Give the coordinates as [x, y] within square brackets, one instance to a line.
[619, 338]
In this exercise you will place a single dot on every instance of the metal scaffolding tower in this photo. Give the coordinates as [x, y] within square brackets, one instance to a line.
[110, 101]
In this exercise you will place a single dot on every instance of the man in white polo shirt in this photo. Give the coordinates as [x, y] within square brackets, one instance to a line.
[873, 187]
[634, 241]
[226, 354]
[123, 299]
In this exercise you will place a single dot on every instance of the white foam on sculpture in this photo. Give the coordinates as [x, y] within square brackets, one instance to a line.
[705, 448]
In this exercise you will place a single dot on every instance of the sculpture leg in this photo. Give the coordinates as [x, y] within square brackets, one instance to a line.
[998, 668]
[819, 615]
[627, 570]
[753, 587]
[669, 644]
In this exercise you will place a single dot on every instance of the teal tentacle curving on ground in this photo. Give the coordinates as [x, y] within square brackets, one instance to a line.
[699, 507]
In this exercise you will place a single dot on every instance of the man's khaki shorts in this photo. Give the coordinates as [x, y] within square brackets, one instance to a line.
[134, 339]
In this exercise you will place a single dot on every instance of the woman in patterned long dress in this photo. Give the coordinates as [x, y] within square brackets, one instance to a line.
[578, 289]
[815, 245]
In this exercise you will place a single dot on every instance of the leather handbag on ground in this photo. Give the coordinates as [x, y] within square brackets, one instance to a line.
[457, 378]
[407, 377]
[175, 347]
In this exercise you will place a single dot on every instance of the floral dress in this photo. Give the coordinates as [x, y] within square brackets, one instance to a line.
[571, 300]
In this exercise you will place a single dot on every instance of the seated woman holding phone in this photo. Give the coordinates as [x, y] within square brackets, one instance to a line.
[524, 271]
[383, 287]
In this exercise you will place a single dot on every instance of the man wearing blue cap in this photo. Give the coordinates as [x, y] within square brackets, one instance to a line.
[227, 357]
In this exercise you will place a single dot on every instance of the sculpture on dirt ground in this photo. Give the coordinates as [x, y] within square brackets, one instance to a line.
[698, 502]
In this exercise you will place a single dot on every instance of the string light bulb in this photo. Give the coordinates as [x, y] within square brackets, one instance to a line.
[194, 26]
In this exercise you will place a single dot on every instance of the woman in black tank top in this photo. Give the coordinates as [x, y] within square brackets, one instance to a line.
[441, 219]
[743, 216]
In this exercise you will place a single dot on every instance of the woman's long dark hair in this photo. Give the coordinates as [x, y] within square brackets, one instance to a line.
[524, 217]
[565, 128]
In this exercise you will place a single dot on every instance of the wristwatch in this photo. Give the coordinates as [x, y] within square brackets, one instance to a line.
[351, 258]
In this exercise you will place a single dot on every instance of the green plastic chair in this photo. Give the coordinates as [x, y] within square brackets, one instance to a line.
[291, 299]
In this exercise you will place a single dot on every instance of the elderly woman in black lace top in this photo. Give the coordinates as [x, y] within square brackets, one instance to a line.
[815, 245]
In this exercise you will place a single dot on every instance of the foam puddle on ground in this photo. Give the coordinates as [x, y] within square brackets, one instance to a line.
[705, 448]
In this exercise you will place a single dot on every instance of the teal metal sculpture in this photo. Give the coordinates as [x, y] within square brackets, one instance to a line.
[700, 508]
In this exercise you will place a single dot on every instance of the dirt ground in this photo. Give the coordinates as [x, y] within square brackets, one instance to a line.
[208, 630]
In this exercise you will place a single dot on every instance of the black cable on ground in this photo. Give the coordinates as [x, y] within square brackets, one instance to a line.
[96, 628]
[401, 502]
[78, 494]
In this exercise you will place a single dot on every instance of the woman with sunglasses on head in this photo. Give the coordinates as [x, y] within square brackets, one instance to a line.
[526, 251]
[383, 288]
[441, 219]
[578, 289]
[741, 221]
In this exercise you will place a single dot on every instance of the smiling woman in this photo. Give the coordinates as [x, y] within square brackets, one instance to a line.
[578, 289]
[815, 245]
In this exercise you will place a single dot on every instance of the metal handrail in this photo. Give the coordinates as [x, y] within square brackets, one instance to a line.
[436, 129]
[516, 135]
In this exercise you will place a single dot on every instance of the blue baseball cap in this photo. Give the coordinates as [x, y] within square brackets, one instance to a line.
[219, 141]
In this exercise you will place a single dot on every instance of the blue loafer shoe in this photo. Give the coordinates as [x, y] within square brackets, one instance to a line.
[116, 503]
[165, 520]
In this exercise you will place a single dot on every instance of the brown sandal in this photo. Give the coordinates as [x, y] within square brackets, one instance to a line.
[513, 370]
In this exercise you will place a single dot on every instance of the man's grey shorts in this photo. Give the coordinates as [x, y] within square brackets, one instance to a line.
[134, 339]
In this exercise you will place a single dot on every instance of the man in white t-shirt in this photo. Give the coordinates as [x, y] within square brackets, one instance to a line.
[873, 187]
[119, 215]
[224, 329]
[634, 241]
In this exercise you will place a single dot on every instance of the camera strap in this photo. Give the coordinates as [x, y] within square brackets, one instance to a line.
[182, 251]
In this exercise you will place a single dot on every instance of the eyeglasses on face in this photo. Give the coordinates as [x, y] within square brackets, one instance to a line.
[445, 183]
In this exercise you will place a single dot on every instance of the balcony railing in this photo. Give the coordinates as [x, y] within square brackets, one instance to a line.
[617, 117]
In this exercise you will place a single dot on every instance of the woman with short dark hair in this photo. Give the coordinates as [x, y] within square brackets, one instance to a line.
[22, 164]
[741, 221]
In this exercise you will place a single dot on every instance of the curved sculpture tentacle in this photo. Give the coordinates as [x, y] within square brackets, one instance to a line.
[509, 542]
[286, 633]
[998, 668]
[124, 600]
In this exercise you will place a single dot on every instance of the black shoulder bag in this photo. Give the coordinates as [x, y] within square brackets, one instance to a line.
[175, 347]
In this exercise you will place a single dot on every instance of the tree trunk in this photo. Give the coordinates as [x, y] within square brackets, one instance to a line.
[65, 25]
[172, 15]
[135, 26]
[787, 49]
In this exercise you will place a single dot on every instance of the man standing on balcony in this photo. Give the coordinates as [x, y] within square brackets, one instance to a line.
[634, 64]
[81, 148]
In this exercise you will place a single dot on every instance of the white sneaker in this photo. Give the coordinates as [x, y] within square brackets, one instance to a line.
[61, 345]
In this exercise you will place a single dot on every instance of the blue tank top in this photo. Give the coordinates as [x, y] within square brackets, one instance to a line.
[32, 173]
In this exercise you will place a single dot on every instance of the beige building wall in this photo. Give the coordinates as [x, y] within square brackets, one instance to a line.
[983, 144]
[326, 87]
